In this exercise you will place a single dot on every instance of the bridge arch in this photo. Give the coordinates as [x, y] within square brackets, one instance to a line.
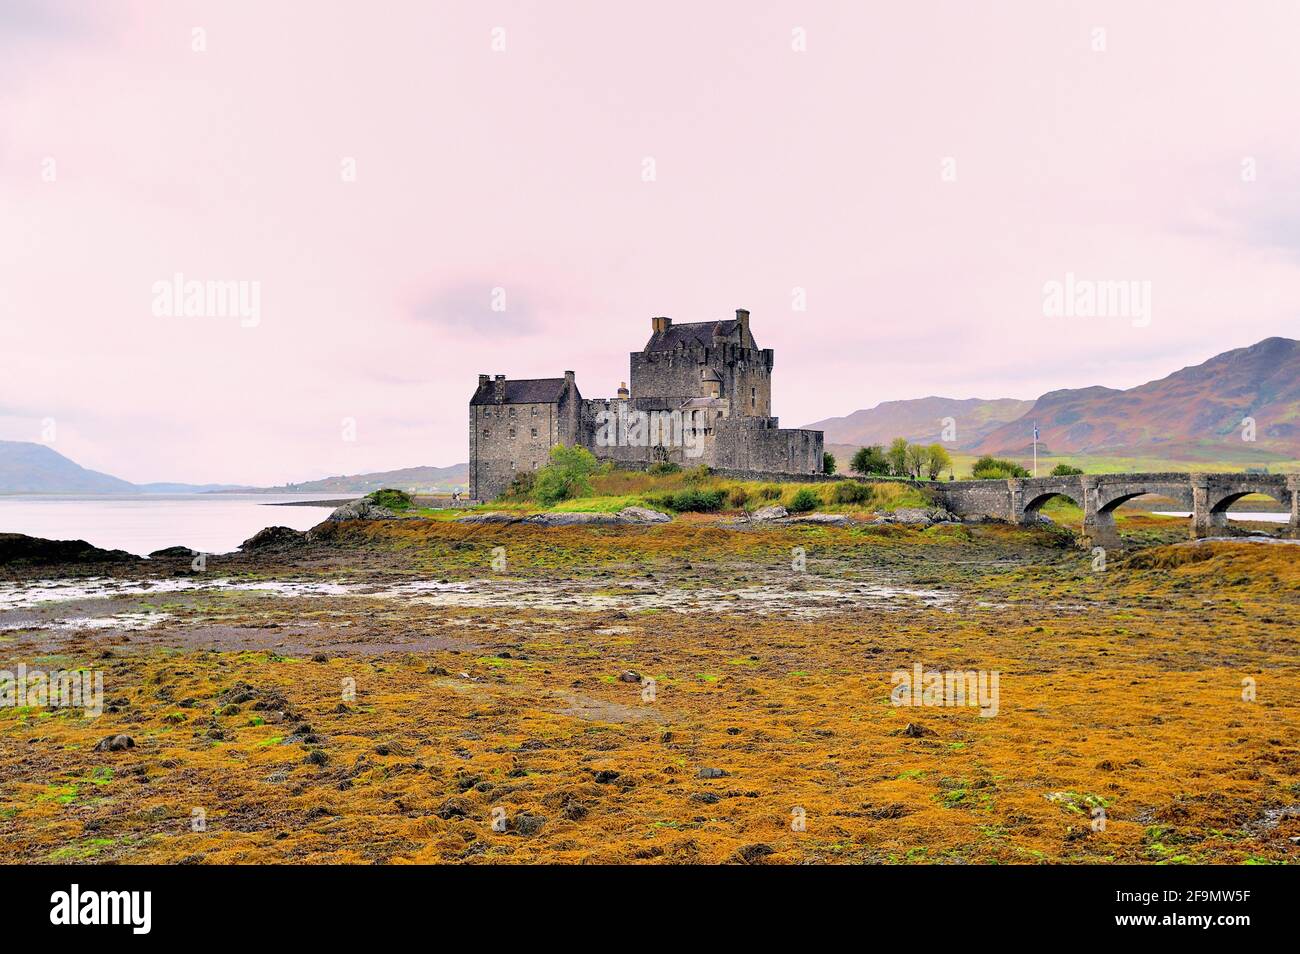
[1227, 500]
[1034, 503]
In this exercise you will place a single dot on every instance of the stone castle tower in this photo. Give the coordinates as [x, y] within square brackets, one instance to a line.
[701, 393]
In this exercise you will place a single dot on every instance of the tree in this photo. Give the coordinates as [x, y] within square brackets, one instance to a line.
[915, 456]
[828, 462]
[566, 476]
[1065, 470]
[937, 459]
[897, 457]
[870, 460]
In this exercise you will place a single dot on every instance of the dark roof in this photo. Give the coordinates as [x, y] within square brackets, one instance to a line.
[692, 334]
[522, 391]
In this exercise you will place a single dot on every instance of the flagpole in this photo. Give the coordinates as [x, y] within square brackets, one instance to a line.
[1035, 448]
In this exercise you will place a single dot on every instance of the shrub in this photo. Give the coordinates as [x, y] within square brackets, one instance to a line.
[804, 499]
[769, 492]
[1065, 470]
[697, 474]
[392, 499]
[567, 475]
[828, 462]
[737, 496]
[694, 501]
[663, 468]
[993, 468]
[848, 492]
[521, 486]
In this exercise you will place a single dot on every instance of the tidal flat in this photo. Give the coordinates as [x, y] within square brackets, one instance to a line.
[416, 691]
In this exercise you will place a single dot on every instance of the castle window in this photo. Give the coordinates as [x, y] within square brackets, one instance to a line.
[753, 397]
[512, 465]
[534, 465]
[512, 432]
[512, 412]
[534, 410]
[486, 432]
[534, 433]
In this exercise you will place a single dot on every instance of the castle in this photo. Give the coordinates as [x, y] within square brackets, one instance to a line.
[701, 393]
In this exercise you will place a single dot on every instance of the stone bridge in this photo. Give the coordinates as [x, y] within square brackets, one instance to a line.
[1206, 496]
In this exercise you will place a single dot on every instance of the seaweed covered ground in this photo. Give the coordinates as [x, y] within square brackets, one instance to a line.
[423, 691]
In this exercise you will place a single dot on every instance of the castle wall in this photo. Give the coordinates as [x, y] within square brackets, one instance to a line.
[676, 375]
[758, 444]
[507, 438]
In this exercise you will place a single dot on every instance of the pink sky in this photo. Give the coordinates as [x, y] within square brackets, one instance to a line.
[522, 169]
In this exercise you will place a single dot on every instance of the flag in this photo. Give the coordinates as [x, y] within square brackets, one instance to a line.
[1035, 432]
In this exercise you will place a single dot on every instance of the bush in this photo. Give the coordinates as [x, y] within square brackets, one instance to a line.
[521, 486]
[689, 501]
[697, 474]
[769, 492]
[394, 500]
[805, 499]
[870, 460]
[568, 475]
[663, 468]
[848, 492]
[737, 497]
[993, 468]
[1065, 470]
[828, 462]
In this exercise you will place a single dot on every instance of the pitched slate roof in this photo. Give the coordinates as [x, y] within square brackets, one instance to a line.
[522, 391]
[690, 335]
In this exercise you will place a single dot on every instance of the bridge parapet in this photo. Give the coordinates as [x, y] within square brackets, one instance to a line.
[1207, 496]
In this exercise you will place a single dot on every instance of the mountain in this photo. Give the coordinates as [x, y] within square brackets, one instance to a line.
[408, 478]
[921, 421]
[1194, 413]
[27, 468]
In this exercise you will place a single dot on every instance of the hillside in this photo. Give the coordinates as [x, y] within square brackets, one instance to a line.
[28, 468]
[1194, 413]
[407, 478]
[921, 421]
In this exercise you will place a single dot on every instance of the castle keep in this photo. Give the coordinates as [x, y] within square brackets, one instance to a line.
[701, 393]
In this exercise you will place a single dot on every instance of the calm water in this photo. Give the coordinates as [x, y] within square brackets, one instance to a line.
[1232, 515]
[210, 523]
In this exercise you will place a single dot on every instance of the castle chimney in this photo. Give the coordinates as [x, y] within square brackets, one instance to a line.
[660, 324]
[742, 318]
[568, 379]
[499, 388]
[482, 380]
[623, 393]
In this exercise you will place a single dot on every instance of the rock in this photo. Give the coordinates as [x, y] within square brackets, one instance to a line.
[316, 757]
[20, 549]
[916, 516]
[630, 676]
[115, 743]
[320, 658]
[832, 519]
[770, 512]
[491, 516]
[754, 854]
[642, 515]
[274, 538]
[605, 776]
[712, 773]
[172, 553]
[454, 808]
[914, 730]
[705, 798]
[362, 509]
[526, 824]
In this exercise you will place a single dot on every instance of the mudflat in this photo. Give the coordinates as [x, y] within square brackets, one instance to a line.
[428, 691]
